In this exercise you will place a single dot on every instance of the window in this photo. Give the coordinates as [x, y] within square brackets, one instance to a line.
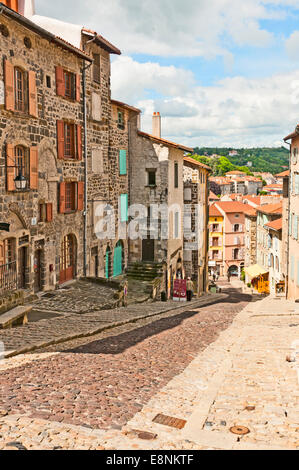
[215, 254]
[70, 85]
[236, 253]
[176, 175]
[9, 250]
[21, 90]
[22, 161]
[151, 175]
[69, 140]
[215, 228]
[97, 68]
[236, 228]
[70, 197]
[48, 81]
[120, 120]
[215, 241]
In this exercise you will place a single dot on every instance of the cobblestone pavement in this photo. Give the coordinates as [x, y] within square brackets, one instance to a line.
[57, 329]
[85, 396]
[78, 297]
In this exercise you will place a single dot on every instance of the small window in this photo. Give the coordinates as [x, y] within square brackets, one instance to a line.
[70, 197]
[21, 90]
[48, 81]
[97, 68]
[70, 85]
[236, 228]
[176, 175]
[69, 141]
[151, 177]
[120, 120]
[22, 161]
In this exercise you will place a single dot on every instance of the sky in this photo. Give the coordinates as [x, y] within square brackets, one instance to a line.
[221, 72]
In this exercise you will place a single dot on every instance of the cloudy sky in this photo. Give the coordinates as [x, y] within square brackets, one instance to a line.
[221, 72]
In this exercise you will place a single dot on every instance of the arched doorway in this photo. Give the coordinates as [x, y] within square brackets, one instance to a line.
[108, 263]
[118, 259]
[38, 270]
[67, 259]
[233, 271]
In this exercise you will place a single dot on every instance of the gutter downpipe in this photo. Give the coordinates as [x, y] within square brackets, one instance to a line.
[85, 67]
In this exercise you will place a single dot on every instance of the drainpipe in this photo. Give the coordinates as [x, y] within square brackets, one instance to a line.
[85, 67]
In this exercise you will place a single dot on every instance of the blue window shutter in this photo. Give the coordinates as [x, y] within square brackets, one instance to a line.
[122, 162]
[123, 207]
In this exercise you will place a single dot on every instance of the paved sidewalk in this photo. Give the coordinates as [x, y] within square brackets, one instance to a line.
[64, 328]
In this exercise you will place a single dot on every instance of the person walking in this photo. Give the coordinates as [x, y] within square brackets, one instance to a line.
[190, 288]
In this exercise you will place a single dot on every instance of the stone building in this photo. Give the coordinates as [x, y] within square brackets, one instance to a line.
[293, 215]
[276, 277]
[156, 180]
[250, 236]
[265, 214]
[216, 233]
[196, 193]
[42, 161]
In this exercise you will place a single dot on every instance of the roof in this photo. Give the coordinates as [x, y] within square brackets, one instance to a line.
[197, 163]
[214, 212]
[255, 270]
[275, 225]
[284, 174]
[167, 143]
[273, 186]
[251, 211]
[43, 32]
[213, 196]
[102, 41]
[293, 134]
[232, 206]
[126, 106]
[270, 208]
[254, 199]
[235, 172]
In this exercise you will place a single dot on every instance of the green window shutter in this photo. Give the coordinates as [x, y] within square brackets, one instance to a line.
[292, 268]
[123, 207]
[122, 162]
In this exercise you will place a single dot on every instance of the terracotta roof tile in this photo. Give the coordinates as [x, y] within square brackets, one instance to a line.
[196, 162]
[214, 212]
[283, 174]
[232, 206]
[275, 224]
[270, 208]
[167, 143]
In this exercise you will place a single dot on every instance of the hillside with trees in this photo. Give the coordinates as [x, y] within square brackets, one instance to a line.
[272, 160]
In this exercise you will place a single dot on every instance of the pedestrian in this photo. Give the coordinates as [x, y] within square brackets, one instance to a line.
[214, 277]
[190, 288]
[228, 276]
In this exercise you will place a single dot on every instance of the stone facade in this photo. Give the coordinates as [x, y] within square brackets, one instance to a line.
[33, 244]
[195, 222]
[250, 237]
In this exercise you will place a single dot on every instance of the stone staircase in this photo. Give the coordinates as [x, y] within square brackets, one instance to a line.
[144, 271]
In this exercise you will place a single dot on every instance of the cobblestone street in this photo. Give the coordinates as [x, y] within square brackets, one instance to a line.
[217, 366]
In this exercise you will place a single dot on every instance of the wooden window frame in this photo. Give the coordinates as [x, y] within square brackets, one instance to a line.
[121, 119]
[70, 85]
[21, 90]
[22, 159]
[69, 141]
[71, 203]
[151, 172]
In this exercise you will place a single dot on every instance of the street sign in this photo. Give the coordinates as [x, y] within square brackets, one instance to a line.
[4, 226]
[180, 290]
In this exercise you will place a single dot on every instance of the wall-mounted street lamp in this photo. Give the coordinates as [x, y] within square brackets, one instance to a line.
[20, 180]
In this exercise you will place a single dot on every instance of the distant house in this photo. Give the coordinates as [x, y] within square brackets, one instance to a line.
[233, 153]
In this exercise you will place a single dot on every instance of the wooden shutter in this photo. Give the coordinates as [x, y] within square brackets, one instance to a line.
[80, 203]
[60, 83]
[122, 162]
[9, 86]
[62, 191]
[10, 170]
[32, 94]
[79, 142]
[78, 87]
[60, 139]
[33, 168]
[49, 212]
[1, 253]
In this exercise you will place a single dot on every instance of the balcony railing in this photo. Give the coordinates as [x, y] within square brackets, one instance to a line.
[8, 277]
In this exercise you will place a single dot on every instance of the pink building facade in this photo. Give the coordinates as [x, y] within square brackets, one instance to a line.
[233, 237]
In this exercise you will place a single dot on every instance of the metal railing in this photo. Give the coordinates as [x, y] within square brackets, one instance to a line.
[8, 277]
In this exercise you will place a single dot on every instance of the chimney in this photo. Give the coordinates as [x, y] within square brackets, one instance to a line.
[156, 125]
[27, 8]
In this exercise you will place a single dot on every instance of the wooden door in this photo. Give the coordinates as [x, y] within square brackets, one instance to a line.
[67, 259]
[22, 267]
[117, 260]
[148, 249]
[37, 271]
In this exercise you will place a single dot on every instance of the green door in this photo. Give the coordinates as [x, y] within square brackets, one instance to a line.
[117, 260]
[107, 266]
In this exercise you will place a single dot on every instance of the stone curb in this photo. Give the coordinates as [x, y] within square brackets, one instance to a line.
[63, 339]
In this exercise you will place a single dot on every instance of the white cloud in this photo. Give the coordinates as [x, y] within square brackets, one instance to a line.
[173, 27]
[292, 46]
[235, 111]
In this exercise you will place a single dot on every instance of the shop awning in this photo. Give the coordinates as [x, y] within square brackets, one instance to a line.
[255, 270]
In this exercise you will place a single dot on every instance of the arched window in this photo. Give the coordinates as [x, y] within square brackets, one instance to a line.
[21, 90]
